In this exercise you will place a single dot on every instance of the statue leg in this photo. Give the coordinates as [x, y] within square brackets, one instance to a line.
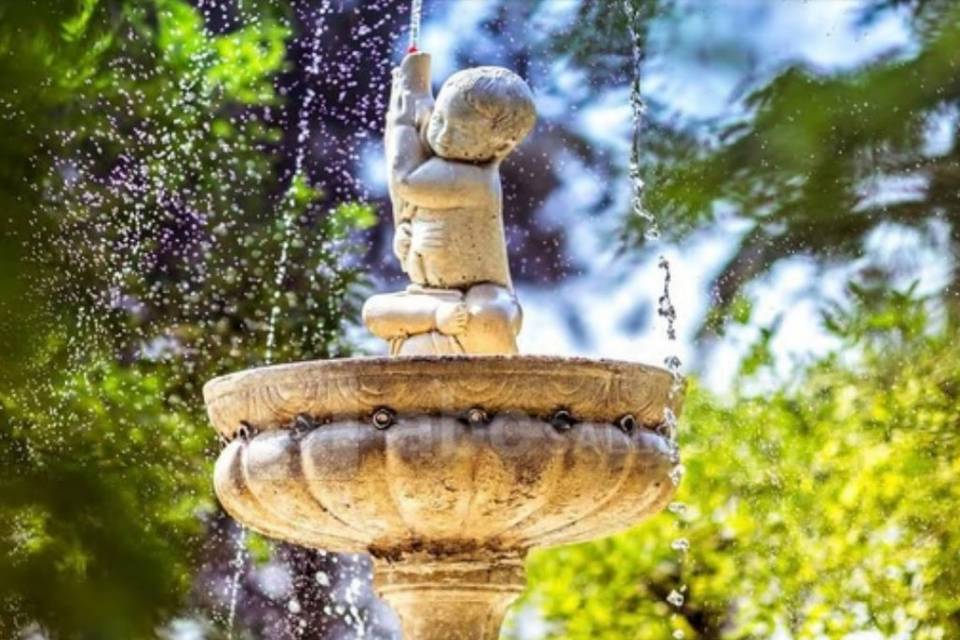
[407, 321]
[393, 315]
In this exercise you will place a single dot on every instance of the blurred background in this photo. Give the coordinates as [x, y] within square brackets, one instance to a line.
[192, 187]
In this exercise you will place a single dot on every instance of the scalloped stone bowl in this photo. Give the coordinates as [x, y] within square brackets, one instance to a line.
[446, 469]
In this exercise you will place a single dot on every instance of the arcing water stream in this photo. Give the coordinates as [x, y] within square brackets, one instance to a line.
[638, 22]
[288, 210]
[307, 113]
[287, 204]
[665, 307]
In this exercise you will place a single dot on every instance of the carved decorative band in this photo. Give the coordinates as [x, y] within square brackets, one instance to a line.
[384, 418]
[628, 394]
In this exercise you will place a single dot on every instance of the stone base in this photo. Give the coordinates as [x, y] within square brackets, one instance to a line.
[451, 598]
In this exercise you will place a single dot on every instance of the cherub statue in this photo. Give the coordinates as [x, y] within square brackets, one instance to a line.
[443, 160]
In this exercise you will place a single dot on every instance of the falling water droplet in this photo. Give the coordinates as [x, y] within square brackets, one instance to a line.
[675, 598]
[676, 474]
[237, 565]
[665, 307]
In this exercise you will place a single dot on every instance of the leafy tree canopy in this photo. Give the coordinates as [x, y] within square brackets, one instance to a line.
[818, 164]
[817, 510]
[146, 214]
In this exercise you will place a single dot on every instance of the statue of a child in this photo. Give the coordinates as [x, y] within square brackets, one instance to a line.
[443, 161]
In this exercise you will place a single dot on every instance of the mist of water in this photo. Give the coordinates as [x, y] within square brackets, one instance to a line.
[288, 204]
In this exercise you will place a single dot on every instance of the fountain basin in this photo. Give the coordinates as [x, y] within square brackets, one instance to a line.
[447, 469]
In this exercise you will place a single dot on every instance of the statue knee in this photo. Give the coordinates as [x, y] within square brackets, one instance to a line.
[379, 315]
[495, 319]
[370, 317]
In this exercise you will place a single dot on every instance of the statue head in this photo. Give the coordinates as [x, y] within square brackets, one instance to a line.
[481, 114]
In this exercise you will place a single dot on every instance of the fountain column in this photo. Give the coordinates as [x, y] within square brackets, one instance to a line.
[452, 597]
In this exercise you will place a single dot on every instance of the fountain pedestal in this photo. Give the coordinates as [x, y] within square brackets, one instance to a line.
[446, 469]
[451, 597]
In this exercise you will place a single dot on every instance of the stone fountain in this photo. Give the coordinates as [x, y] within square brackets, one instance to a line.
[453, 457]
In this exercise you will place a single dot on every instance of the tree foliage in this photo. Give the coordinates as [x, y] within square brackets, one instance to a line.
[103, 482]
[818, 510]
[819, 161]
[148, 210]
[814, 168]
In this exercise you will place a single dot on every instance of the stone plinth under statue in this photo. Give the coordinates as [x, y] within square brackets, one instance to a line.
[451, 459]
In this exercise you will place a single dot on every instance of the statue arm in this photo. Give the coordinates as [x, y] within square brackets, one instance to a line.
[411, 100]
[405, 153]
[445, 184]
